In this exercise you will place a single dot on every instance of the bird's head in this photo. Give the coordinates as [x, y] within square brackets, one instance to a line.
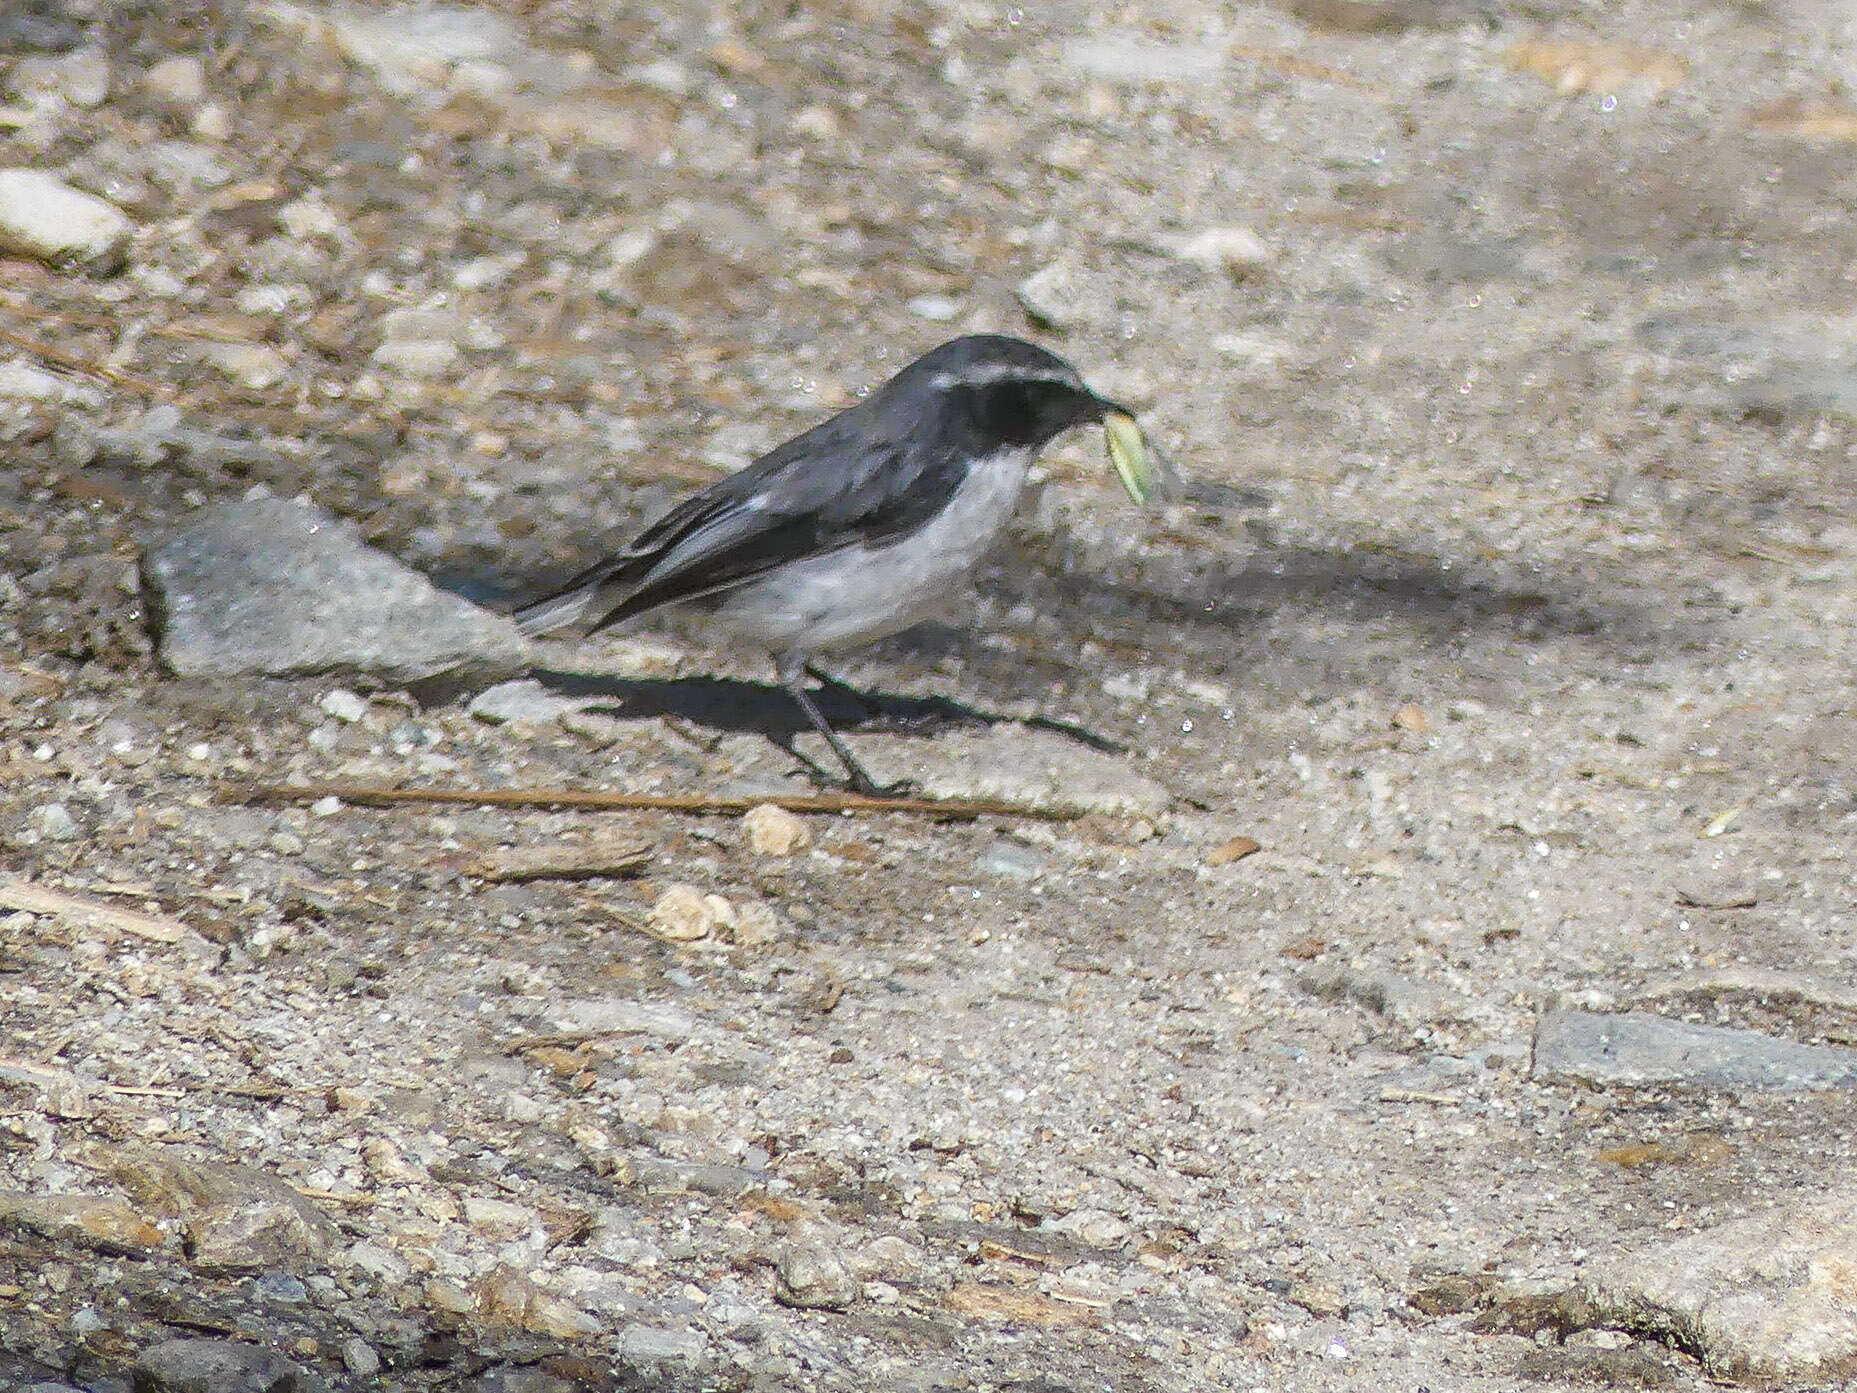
[995, 392]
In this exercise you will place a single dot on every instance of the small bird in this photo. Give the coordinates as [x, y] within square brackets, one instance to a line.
[856, 528]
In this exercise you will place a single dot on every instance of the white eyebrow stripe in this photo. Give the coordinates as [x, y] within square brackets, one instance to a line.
[982, 375]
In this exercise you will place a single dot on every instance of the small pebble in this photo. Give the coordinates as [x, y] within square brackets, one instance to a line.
[756, 925]
[1236, 251]
[45, 218]
[180, 79]
[344, 705]
[685, 914]
[774, 831]
[54, 823]
[935, 308]
[812, 1276]
[359, 1358]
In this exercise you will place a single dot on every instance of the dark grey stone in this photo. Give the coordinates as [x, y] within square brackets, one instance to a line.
[272, 588]
[1635, 1048]
[218, 1366]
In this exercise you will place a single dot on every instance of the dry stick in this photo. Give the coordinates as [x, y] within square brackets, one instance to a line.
[378, 796]
[71, 362]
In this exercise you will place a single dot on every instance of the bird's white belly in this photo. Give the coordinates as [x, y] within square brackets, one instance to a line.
[862, 593]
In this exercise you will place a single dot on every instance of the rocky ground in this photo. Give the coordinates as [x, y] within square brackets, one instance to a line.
[1509, 349]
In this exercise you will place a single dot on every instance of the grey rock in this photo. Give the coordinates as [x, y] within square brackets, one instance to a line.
[359, 1358]
[1061, 297]
[1762, 1299]
[1634, 1048]
[54, 823]
[812, 1276]
[524, 699]
[46, 219]
[656, 1344]
[599, 1016]
[1795, 365]
[703, 1177]
[240, 1219]
[266, 587]
[217, 1366]
[281, 1288]
[30, 29]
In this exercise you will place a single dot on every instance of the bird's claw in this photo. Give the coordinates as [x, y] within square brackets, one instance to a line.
[901, 788]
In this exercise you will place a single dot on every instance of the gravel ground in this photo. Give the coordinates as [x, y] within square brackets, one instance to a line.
[1510, 351]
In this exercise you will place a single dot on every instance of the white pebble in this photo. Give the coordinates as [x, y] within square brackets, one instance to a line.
[180, 79]
[45, 218]
[53, 822]
[774, 831]
[343, 704]
[685, 914]
[1236, 251]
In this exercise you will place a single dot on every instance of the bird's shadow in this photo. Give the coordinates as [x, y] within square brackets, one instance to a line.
[1229, 598]
[741, 707]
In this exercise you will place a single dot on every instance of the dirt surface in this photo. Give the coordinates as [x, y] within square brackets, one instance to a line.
[1511, 613]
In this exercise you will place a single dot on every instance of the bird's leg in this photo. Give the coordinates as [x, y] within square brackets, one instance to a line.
[872, 706]
[791, 669]
[894, 714]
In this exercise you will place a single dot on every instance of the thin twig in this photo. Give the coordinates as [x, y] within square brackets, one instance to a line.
[379, 796]
[71, 362]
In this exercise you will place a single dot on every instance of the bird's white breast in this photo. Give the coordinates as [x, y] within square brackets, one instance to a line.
[865, 592]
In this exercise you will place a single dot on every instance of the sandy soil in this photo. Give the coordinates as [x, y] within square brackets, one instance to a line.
[1519, 562]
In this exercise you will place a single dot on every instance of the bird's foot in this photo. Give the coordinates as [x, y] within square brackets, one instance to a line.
[866, 787]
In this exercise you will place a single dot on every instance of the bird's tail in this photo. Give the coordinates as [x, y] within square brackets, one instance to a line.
[571, 608]
[589, 601]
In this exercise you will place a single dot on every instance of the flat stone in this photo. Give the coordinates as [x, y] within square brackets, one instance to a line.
[1771, 1298]
[268, 587]
[45, 218]
[1796, 364]
[654, 1344]
[1636, 1049]
[101, 1222]
[602, 1016]
[240, 1219]
[218, 1366]
[524, 699]
[812, 1276]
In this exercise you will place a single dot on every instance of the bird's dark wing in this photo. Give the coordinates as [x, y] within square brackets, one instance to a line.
[840, 484]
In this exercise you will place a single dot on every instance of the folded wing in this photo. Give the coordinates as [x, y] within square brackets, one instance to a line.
[838, 485]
